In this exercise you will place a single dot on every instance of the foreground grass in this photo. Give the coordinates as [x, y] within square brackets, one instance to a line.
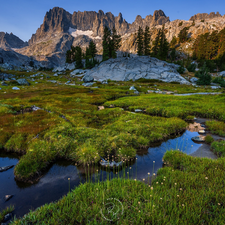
[218, 147]
[216, 127]
[186, 191]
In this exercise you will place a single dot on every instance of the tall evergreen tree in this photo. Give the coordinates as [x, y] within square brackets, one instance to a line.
[115, 43]
[173, 42]
[146, 44]
[140, 43]
[111, 43]
[106, 43]
[183, 35]
[163, 45]
[92, 49]
[78, 57]
[155, 48]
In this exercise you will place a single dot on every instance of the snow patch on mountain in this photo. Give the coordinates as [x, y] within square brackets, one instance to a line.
[76, 33]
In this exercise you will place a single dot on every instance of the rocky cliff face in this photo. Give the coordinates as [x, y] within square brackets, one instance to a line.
[60, 30]
[58, 20]
[11, 41]
[204, 16]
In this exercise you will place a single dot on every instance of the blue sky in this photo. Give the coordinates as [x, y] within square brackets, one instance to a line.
[24, 17]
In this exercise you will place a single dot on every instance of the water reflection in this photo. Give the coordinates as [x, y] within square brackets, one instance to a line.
[54, 183]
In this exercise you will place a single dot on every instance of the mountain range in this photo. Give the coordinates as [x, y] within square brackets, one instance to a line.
[60, 30]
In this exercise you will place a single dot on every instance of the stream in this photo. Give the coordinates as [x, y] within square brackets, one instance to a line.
[54, 183]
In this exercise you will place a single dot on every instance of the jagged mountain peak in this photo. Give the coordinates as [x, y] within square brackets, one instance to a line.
[203, 16]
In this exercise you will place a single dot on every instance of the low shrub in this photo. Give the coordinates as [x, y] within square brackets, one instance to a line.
[209, 139]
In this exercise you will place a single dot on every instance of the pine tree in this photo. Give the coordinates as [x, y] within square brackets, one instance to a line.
[146, 41]
[92, 48]
[163, 45]
[111, 43]
[115, 43]
[183, 35]
[106, 43]
[155, 48]
[173, 42]
[140, 43]
[78, 57]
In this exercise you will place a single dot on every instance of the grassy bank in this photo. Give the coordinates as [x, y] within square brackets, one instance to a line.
[175, 106]
[186, 191]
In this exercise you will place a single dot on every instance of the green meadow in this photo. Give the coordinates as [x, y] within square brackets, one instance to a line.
[70, 126]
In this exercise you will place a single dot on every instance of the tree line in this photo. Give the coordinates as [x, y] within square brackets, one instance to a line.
[159, 48]
[111, 43]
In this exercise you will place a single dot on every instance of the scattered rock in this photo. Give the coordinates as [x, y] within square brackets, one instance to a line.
[70, 66]
[88, 84]
[193, 79]
[88, 79]
[133, 88]
[55, 75]
[68, 82]
[222, 73]
[138, 110]
[101, 107]
[23, 82]
[53, 81]
[8, 217]
[104, 82]
[198, 138]
[77, 72]
[35, 108]
[59, 69]
[16, 88]
[215, 87]
[3, 83]
[136, 92]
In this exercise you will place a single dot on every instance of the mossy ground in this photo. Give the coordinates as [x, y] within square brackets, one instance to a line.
[84, 134]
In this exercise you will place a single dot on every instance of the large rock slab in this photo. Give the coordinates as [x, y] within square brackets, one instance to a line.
[124, 69]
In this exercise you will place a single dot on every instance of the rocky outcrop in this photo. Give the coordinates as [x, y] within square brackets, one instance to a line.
[57, 20]
[203, 16]
[158, 18]
[12, 60]
[11, 41]
[124, 69]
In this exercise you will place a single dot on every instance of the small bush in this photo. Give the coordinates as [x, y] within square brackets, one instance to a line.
[202, 21]
[219, 80]
[189, 118]
[209, 139]
[191, 67]
[180, 24]
[181, 69]
[203, 75]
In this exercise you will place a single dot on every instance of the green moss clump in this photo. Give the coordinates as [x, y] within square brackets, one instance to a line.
[209, 139]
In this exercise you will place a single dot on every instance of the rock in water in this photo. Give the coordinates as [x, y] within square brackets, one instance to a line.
[2, 169]
[7, 197]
